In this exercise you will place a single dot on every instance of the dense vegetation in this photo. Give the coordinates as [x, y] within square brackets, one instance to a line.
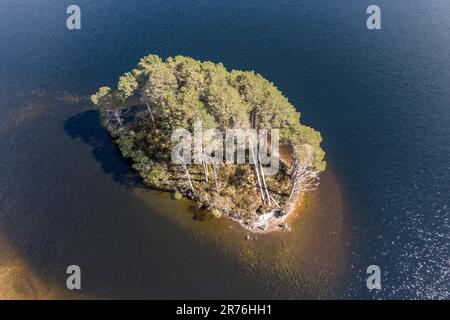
[159, 96]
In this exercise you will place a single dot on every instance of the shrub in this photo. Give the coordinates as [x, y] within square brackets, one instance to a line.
[216, 213]
[229, 191]
[177, 195]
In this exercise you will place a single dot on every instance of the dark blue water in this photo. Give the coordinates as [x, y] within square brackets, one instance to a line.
[381, 100]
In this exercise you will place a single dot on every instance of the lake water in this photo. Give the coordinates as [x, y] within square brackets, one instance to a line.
[381, 100]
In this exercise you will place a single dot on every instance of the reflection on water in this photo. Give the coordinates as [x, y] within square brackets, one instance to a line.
[380, 100]
[75, 200]
[86, 127]
[309, 261]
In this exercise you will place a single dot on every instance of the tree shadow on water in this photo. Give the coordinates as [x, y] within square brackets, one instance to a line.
[86, 127]
[124, 249]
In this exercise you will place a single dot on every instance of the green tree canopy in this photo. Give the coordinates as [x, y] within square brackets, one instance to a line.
[181, 90]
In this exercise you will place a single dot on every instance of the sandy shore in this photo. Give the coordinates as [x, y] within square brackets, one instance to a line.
[273, 224]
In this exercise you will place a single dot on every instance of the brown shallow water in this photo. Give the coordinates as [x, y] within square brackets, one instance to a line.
[18, 281]
[314, 254]
[67, 197]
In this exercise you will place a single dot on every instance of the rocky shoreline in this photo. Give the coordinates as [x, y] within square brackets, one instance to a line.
[161, 115]
[275, 220]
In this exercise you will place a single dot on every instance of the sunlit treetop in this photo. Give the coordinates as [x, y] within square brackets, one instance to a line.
[180, 91]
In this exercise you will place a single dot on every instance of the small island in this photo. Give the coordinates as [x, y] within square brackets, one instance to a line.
[152, 103]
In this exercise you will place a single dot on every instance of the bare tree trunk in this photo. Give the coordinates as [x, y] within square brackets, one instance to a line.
[150, 111]
[215, 177]
[293, 177]
[117, 117]
[276, 203]
[257, 174]
[263, 178]
[302, 179]
[254, 119]
[144, 99]
[205, 165]
[188, 177]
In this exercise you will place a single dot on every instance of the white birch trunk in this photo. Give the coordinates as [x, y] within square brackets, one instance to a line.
[215, 177]
[188, 177]
[205, 165]
[264, 181]
[257, 174]
[117, 116]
